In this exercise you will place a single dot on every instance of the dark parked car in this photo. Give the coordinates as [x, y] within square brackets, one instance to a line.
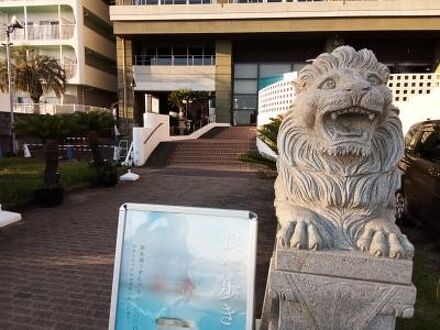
[420, 166]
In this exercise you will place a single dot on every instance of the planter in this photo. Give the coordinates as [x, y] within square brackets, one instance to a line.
[49, 197]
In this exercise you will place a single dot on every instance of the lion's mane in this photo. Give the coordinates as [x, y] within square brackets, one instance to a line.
[339, 183]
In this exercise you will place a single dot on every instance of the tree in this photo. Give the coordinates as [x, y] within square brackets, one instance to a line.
[93, 124]
[179, 98]
[34, 74]
[267, 133]
[50, 129]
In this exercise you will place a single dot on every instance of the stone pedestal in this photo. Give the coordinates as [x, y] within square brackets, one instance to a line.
[336, 290]
[7, 218]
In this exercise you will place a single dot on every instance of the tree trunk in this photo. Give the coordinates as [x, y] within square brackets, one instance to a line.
[51, 163]
[36, 105]
[98, 159]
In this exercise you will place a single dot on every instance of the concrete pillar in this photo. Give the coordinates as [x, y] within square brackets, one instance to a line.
[223, 80]
[125, 78]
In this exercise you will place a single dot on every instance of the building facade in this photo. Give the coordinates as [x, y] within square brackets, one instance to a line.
[234, 49]
[76, 32]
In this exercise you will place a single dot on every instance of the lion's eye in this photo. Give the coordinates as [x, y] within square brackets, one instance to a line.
[329, 83]
[374, 79]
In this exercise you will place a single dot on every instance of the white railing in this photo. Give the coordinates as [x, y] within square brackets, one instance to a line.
[50, 31]
[174, 60]
[198, 2]
[41, 32]
[406, 85]
[51, 109]
[70, 66]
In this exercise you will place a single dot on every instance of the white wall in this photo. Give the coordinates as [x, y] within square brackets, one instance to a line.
[145, 139]
[419, 108]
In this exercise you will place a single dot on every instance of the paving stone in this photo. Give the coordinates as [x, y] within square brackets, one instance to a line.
[56, 265]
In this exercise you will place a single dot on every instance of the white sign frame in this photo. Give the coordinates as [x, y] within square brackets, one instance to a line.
[226, 213]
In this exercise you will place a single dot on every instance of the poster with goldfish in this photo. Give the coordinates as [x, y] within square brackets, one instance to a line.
[183, 268]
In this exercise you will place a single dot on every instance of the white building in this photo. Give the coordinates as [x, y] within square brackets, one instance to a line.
[76, 32]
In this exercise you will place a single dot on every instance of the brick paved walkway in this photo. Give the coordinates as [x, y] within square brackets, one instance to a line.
[56, 266]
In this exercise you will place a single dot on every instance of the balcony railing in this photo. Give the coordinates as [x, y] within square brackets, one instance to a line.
[50, 31]
[42, 32]
[182, 60]
[198, 2]
[51, 109]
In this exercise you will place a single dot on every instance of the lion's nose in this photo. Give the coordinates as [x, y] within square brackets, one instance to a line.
[358, 88]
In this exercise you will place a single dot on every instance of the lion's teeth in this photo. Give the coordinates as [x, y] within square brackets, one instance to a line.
[334, 116]
[371, 116]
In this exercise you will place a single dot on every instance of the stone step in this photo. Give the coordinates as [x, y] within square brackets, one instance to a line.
[220, 149]
[223, 133]
[219, 167]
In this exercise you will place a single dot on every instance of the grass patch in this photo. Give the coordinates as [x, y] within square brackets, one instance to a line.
[254, 157]
[426, 278]
[18, 177]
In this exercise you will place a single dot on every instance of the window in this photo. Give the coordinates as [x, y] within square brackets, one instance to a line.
[411, 141]
[244, 102]
[429, 148]
[274, 70]
[246, 71]
[245, 87]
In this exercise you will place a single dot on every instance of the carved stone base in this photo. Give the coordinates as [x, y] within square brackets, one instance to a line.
[336, 290]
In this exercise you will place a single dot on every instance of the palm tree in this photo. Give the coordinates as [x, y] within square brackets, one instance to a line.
[34, 74]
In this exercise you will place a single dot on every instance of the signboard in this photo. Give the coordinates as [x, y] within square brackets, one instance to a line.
[183, 268]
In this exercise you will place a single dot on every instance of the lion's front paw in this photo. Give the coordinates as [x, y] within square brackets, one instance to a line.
[383, 242]
[303, 235]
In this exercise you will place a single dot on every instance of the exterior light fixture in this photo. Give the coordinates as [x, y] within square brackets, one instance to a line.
[14, 24]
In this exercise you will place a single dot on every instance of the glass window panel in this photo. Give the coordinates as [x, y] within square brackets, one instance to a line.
[244, 102]
[194, 1]
[209, 60]
[244, 117]
[429, 148]
[180, 60]
[245, 70]
[180, 2]
[164, 60]
[272, 70]
[245, 86]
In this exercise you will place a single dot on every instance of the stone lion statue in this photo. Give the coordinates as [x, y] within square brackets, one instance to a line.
[339, 146]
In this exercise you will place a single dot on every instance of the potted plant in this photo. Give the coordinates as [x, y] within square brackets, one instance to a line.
[95, 124]
[50, 129]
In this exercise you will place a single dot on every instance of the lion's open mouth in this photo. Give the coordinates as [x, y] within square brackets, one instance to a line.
[351, 123]
[350, 130]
